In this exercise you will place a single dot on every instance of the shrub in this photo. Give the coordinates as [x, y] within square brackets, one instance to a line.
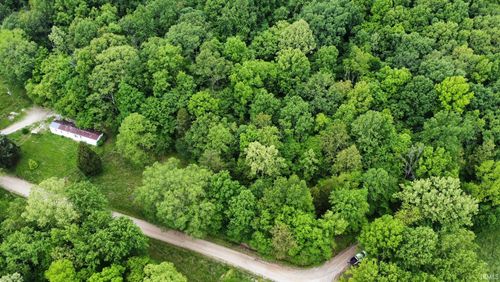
[88, 161]
[32, 164]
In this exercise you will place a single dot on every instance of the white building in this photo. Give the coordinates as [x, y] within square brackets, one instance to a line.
[69, 130]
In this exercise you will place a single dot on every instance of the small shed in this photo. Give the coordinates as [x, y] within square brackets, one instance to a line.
[69, 130]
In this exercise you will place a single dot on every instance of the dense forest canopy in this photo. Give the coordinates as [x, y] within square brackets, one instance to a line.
[300, 120]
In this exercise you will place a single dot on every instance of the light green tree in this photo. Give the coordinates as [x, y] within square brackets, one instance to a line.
[136, 139]
[164, 271]
[61, 271]
[48, 206]
[383, 237]
[439, 200]
[263, 160]
[454, 93]
[176, 197]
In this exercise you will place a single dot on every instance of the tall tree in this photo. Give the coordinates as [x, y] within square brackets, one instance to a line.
[177, 198]
[9, 152]
[426, 197]
[17, 56]
[136, 139]
[88, 161]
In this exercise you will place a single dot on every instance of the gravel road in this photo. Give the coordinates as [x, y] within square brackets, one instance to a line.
[33, 115]
[326, 272]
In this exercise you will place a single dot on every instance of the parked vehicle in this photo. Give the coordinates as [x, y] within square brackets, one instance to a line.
[355, 260]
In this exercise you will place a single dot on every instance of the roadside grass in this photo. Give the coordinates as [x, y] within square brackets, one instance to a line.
[195, 266]
[11, 103]
[489, 250]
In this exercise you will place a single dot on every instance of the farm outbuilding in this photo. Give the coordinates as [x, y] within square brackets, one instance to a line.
[69, 130]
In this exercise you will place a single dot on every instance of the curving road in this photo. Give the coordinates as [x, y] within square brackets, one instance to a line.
[327, 272]
[33, 115]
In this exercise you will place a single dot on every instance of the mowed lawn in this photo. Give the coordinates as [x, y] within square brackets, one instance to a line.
[11, 103]
[55, 157]
[489, 247]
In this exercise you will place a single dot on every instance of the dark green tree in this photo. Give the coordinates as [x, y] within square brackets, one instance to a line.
[10, 153]
[88, 161]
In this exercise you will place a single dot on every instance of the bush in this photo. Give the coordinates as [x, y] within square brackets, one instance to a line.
[25, 131]
[32, 164]
[88, 161]
[9, 152]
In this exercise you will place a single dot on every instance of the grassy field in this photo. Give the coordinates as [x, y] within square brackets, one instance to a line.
[11, 103]
[489, 250]
[118, 180]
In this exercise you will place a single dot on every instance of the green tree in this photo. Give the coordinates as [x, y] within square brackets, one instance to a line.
[454, 93]
[293, 69]
[135, 268]
[295, 118]
[189, 32]
[9, 152]
[136, 139]
[203, 103]
[236, 50]
[15, 277]
[297, 35]
[111, 273]
[347, 160]
[50, 88]
[376, 138]
[263, 160]
[381, 186]
[100, 245]
[436, 162]
[352, 206]
[61, 271]
[17, 56]
[426, 196]
[462, 261]
[418, 249]
[282, 240]
[25, 252]
[241, 213]
[112, 66]
[325, 59]
[331, 20]
[86, 198]
[88, 161]
[176, 197]
[487, 191]
[47, 205]
[383, 237]
[367, 271]
[164, 271]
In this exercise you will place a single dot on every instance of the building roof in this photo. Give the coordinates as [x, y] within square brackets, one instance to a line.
[71, 128]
